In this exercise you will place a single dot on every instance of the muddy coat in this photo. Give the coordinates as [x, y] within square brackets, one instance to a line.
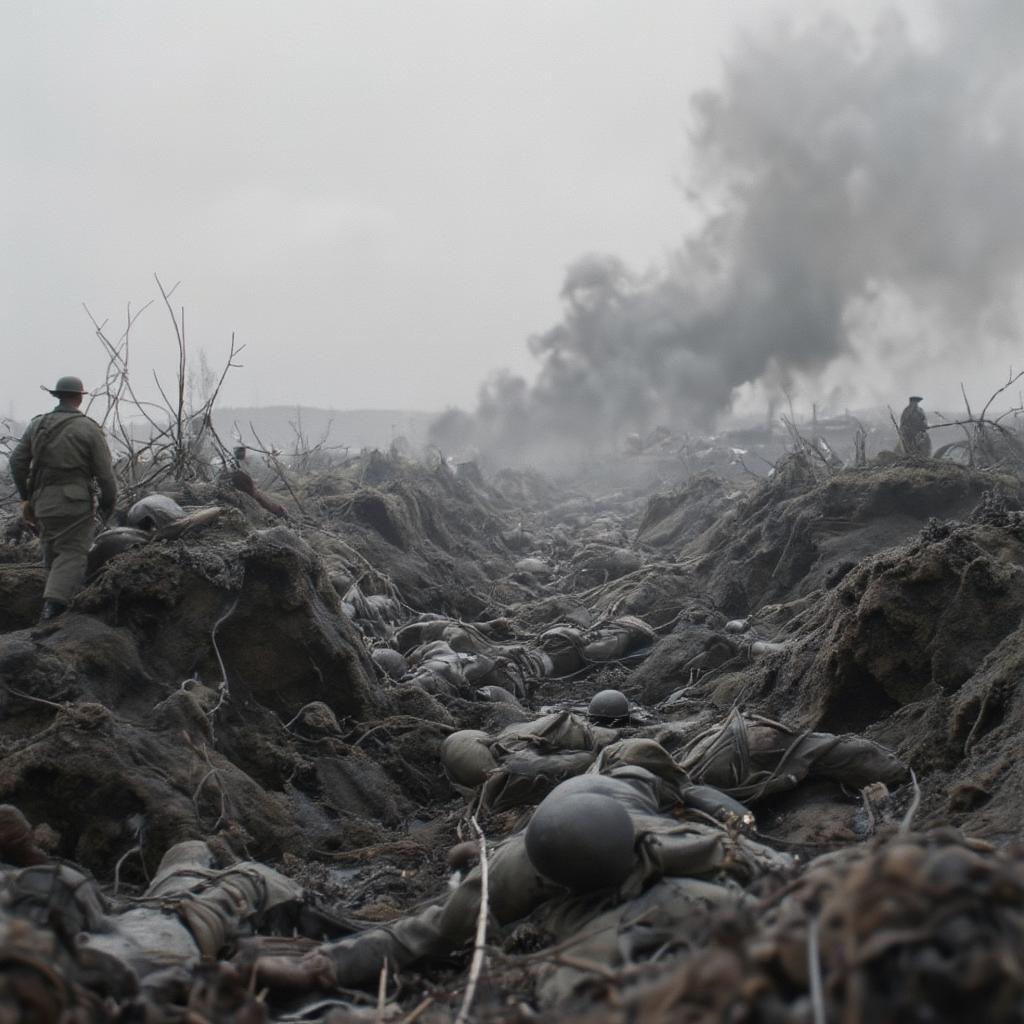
[665, 847]
[54, 465]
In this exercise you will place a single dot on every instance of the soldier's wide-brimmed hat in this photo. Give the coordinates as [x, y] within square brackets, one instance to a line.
[916, 398]
[65, 386]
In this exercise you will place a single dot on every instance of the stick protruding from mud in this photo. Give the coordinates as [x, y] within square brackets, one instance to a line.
[477, 963]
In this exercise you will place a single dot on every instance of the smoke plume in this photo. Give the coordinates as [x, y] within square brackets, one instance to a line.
[840, 175]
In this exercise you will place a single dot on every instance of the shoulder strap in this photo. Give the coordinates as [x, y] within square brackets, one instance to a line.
[45, 434]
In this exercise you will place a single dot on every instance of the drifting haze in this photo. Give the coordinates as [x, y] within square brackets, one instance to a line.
[862, 235]
[377, 196]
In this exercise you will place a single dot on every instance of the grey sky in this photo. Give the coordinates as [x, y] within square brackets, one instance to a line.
[380, 198]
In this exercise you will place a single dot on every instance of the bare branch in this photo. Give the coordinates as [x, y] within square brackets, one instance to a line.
[177, 431]
[1014, 377]
[480, 944]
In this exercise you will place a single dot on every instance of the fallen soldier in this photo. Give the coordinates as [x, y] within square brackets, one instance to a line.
[444, 656]
[749, 757]
[596, 843]
[190, 911]
[153, 518]
[69, 953]
[534, 757]
[742, 760]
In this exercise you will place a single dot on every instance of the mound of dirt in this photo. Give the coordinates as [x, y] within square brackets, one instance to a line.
[982, 735]
[21, 595]
[919, 644]
[673, 519]
[220, 685]
[174, 701]
[922, 927]
[429, 533]
[104, 787]
[797, 533]
[281, 635]
[911, 623]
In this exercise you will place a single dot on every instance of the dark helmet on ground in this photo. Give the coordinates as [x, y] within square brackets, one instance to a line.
[583, 841]
[66, 386]
[608, 706]
[111, 543]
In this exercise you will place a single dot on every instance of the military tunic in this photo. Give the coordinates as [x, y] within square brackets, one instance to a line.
[54, 465]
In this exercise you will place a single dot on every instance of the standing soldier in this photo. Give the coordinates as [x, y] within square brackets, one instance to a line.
[914, 429]
[54, 465]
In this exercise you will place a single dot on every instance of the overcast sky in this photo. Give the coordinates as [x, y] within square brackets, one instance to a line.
[379, 198]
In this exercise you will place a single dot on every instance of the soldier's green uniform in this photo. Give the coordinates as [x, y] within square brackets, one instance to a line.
[53, 466]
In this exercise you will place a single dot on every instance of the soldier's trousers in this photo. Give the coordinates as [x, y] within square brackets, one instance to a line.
[65, 541]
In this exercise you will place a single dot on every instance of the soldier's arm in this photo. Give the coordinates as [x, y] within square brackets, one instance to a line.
[20, 462]
[103, 471]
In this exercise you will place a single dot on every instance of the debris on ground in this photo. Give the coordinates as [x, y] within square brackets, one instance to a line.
[408, 741]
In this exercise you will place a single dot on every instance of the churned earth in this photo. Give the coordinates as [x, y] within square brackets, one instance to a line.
[823, 674]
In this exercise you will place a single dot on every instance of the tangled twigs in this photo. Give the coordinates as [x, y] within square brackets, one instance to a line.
[271, 455]
[987, 443]
[213, 773]
[222, 687]
[180, 429]
[818, 449]
[479, 945]
[400, 721]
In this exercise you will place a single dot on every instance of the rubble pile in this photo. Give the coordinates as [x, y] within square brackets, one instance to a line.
[725, 751]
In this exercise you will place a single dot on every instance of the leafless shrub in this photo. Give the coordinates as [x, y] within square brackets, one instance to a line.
[990, 442]
[182, 444]
[272, 455]
[8, 492]
[308, 456]
[819, 452]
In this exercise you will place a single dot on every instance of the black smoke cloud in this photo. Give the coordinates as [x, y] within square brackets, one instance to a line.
[834, 168]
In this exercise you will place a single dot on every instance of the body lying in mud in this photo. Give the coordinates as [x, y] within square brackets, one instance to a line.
[262, 739]
[627, 839]
[596, 843]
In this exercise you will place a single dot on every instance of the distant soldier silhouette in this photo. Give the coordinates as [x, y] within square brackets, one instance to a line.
[914, 429]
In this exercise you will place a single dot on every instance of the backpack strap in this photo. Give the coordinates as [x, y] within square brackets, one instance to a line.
[44, 435]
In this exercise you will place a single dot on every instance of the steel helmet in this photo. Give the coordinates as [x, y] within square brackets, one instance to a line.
[66, 386]
[154, 511]
[581, 840]
[608, 706]
[111, 543]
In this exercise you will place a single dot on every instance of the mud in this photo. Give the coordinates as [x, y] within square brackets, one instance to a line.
[233, 685]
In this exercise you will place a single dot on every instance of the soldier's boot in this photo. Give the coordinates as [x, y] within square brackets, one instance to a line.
[51, 609]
